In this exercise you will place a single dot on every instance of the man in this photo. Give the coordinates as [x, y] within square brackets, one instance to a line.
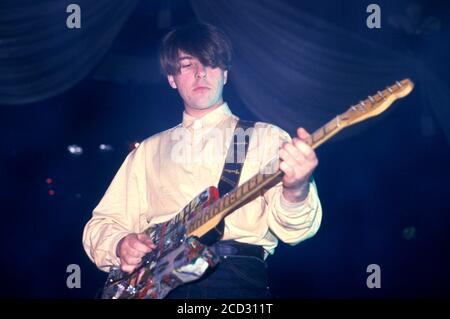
[155, 182]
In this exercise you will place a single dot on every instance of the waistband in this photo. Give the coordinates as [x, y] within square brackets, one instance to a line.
[234, 248]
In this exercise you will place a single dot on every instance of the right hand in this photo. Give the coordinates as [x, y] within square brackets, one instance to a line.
[131, 249]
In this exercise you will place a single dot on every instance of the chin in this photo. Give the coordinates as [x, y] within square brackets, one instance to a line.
[203, 106]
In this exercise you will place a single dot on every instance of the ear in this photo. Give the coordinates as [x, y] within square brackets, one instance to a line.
[171, 80]
[225, 77]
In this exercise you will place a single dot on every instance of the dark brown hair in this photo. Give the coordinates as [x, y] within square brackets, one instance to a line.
[203, 41]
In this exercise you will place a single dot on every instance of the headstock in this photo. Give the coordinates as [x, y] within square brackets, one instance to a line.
[376, 104]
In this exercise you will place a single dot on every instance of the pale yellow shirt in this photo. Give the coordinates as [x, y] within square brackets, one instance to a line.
[167, 170]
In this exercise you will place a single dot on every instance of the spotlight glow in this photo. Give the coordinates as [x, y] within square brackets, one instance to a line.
[75, 149]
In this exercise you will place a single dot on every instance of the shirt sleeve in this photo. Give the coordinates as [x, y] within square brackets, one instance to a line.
[118, 213]
[291, 222]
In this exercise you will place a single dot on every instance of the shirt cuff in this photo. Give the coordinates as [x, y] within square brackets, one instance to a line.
[294, 206]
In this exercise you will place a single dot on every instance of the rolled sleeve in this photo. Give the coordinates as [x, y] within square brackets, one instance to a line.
[294, 222]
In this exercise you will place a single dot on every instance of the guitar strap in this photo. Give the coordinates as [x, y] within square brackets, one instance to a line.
[234, 161]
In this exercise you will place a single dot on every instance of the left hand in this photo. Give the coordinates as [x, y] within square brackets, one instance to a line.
[298, 161]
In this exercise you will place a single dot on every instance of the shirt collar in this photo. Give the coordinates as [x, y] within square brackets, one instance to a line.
[210, 119]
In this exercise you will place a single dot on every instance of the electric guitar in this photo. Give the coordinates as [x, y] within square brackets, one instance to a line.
[182, 254]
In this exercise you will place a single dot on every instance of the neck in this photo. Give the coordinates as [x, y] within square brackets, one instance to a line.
[198, 113]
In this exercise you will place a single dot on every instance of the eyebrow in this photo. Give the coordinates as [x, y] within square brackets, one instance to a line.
[186, 57]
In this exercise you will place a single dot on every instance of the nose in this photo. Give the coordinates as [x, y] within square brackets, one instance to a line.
[201, 71]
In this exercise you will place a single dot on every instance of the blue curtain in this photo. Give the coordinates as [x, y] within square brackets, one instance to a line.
[41, 57]
[292, 68]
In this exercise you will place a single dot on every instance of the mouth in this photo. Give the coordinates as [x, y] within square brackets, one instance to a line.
[201, 88]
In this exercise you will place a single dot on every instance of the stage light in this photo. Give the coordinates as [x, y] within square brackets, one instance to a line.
[75, 149]
[51, 192]
[49, 180]
[105, 148]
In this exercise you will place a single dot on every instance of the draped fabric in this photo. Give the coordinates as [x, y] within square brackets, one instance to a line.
[290, 67]
[41, 57]
[293, 69]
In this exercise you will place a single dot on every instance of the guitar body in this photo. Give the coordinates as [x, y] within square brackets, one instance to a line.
[178, 259]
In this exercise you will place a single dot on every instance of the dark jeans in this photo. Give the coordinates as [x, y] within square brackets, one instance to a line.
[235, 277]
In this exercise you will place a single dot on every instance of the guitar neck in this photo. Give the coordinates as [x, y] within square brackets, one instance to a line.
[270, 175]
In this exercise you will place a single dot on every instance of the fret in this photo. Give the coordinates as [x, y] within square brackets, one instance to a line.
[221, 204]
[244, 188]
[372, 100]
[259, 178]
[318, 135]
[216, 210]
[232, 197]
[206, 215]
[194, 223]
[252, 183]
[201, 217]
[329, 127]
[239, 192]
[226, 200]
[210, 212]
[191, 206]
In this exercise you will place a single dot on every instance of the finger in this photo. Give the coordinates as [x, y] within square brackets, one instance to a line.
[140, 246]
[294, 152]
[131, 260]
[297, 169]
[130, 251]
[303, 134]
[127, 268]
[287, 170]
[305, 149]
[293, 163]
[145, 239]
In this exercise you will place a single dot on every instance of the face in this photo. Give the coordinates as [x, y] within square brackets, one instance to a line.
[199, 86]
